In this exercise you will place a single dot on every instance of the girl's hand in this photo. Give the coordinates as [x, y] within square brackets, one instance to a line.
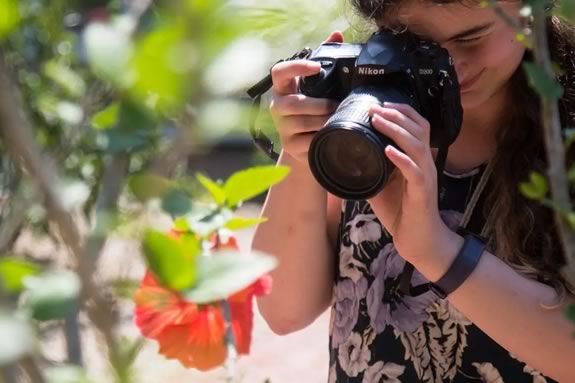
[407, 206]
[298, 117]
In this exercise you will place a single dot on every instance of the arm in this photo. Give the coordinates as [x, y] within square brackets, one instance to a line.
[504, 304]
[509, 308]
[297, 234]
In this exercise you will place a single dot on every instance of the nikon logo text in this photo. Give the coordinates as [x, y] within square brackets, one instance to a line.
[370, 71]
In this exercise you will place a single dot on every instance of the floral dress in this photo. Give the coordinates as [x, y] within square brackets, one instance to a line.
[379, 335]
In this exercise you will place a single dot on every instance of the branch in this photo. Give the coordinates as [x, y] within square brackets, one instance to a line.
[556, 172]
[20, 141]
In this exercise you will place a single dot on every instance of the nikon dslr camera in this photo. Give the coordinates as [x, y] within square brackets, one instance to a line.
[347, 156]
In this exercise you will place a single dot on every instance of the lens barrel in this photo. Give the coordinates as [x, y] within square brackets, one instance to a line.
[347, 156]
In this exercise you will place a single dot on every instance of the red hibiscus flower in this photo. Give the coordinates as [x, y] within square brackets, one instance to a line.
[191, 333]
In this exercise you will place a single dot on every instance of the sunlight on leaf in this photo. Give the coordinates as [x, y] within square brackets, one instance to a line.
[216, 190]
[13, 271]
[9, 16]
[65, 77]
[159, 63]
[106, 118]
[173, 261]
[226, 273]
[249, 183]
[536, 188]
[239, 223]
[52, 295]
[17, 338]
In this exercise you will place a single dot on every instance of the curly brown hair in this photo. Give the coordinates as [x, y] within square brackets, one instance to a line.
[522, 231]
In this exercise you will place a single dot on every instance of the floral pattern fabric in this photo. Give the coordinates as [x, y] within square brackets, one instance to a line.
[378, 334]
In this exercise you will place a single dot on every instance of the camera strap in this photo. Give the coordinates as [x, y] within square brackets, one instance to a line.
[407, 273]
[255, 93]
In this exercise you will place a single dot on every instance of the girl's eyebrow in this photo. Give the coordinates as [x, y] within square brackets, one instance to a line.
[471, 31]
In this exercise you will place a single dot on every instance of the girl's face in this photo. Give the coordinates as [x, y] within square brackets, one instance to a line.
[484, 48]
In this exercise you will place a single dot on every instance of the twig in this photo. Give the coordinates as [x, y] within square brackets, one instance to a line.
[554, 142]
[20, 141]
[73, 338]
[13, 221]
[31, 369]
[230, 343]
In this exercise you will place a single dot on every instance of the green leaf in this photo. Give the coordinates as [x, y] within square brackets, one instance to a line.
[226, 273]
[148, 186]
[542, 82]
[239, 223]
[173, 261]
[107, 117]
[248, 183]
[135, 117]
[123, 140]
[9, 16]
[160, 63]
[181, 224]
[570, 313]
[13, 271]
[66, 374]
[17, 338]
[566, 10]
[176, 203]
[65, 77]
[52, 295]
[571, 219]
[217, 191]
[109, 51]
[536, 188]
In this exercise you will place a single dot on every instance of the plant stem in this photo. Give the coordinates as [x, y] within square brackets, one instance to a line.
[556, 171]
[230, 343]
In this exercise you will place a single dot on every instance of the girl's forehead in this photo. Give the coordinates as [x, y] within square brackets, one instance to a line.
[435, 20]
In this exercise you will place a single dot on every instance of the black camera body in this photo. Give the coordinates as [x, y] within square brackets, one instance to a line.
[347, 155]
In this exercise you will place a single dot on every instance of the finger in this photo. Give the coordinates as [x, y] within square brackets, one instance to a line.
[408, 168]
[335, 37]
[411, 145]
[292, 125]
[284, 74]
[299, 104]
[410, 112]
[400, 119]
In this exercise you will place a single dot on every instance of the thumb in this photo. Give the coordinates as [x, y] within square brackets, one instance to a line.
[335, 37]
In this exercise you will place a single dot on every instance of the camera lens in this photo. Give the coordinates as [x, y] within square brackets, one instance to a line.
[347, 156]
[350, 160]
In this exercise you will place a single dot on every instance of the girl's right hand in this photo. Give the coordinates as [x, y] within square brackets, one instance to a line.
[298, 117]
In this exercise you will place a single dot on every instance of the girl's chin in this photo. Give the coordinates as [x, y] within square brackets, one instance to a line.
[471, 100]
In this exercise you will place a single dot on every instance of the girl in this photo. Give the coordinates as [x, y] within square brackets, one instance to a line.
[501, 323]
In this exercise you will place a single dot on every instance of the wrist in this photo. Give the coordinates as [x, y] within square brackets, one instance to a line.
[448, 246]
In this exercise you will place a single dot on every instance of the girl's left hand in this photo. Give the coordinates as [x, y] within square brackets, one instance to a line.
[407, 205]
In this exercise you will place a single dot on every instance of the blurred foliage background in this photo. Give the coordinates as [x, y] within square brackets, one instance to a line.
[106, 110]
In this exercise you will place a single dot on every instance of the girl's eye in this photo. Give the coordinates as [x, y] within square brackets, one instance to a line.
[468, 40]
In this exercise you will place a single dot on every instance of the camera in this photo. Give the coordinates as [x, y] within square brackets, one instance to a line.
[347, 155]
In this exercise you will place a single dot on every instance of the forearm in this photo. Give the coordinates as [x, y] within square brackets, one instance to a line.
[509, 308]
[296, 234]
